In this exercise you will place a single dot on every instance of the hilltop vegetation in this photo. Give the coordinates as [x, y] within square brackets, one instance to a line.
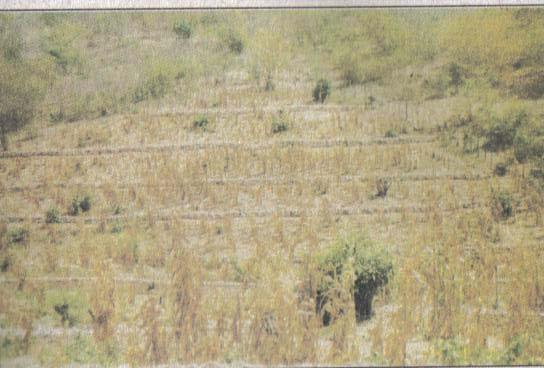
[275, 187]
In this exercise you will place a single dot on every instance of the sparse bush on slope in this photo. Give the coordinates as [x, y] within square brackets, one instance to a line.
[372, 267]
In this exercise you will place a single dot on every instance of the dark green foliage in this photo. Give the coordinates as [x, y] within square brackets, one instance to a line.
[183, 29]
[85, 203]
[52, 216]
[77, 204]
[372, 268]
[201, 122]
[18, 235]
[322, 90]
[62, 311]
[279, 127]
[391, 133]
[501, 169]
[502, 205]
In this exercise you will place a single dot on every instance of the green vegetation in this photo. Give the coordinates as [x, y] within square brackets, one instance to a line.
[371, 269]
[183, 29]
[221, 163]
[321, 90]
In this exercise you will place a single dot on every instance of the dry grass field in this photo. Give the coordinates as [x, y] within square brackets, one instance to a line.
[236, 187]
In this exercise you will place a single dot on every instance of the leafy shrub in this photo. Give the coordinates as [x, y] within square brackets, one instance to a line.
[201, 122]
[372, 267]
[391, 133]
[502, 205]
[183, 29]
[18, 235]
[322, 90]
[279, 127]
[52, 216]
[382, 187]
[501, 169]
[85, 203]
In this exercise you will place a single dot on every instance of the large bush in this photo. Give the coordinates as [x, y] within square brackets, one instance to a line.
[372, 268]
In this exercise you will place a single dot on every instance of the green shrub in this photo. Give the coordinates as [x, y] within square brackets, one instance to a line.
[183, 29]
[501, 169]
[77, 204]
[372, 268]
[391, 133]
[322, 90]
[201, 122]
[19, 235]
[502, 205]
[52, 216]
[85, 203]
[279, 127]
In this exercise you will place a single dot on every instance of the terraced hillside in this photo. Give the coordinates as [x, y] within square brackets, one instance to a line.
[177, 187]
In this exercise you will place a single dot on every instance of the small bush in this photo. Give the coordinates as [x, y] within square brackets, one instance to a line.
[382, 187]
[501, 169]
[372, 268]
[183, 29]
[18, 235]
[77, 204]
[85, 203]
[201, 122]
[391, 133]
[322, 90]
[52, 216]
[502, 205]
[279, 127]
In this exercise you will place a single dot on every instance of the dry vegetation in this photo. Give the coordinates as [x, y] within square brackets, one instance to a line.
[272, 187]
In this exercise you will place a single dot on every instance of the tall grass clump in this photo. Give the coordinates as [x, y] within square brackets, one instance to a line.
[372, 268]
